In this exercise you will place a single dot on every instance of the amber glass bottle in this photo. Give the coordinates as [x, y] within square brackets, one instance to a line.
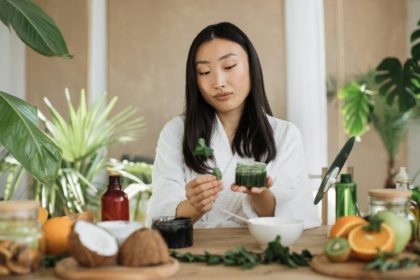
[115, 201]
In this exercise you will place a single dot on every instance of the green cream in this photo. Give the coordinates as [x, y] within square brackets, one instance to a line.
[251, 174]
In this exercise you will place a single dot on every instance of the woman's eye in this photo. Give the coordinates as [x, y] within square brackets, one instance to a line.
[203, 73]
[230, 67]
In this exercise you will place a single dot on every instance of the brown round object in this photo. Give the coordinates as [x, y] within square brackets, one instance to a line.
[390, 194]
[143, 247]
[92, 246]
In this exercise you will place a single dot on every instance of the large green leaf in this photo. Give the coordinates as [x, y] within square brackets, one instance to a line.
[356, 108]
[399, 82]
[20, 135]
[34, 27]
[415, 40]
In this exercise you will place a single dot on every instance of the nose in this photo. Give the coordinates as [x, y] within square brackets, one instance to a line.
[219, 80]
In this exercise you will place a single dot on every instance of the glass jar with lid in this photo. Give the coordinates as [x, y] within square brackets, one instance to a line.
[21, 246]
[396, 201]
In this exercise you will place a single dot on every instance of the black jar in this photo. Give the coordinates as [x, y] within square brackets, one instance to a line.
[177, 232]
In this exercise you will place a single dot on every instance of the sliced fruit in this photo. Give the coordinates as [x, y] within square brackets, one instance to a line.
[91, 245]
[366, 244]
[337, 249]
[345, 224]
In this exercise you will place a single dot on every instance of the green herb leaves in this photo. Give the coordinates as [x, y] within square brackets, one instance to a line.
[374, 224]
[275, 253]
[387, 261]
[201, 149]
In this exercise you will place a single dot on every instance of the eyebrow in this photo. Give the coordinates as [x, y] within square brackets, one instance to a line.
[220, 58]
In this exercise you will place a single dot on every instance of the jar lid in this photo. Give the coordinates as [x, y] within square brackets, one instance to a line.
[18, 205]
[390, 194]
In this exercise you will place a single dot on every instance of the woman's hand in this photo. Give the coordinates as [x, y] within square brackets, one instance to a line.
[253, 190]
[202, 192]
[262, 199]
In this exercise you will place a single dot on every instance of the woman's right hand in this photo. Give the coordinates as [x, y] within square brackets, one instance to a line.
[202, 192]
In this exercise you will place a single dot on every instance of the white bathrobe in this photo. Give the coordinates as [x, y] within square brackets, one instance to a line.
[288, 171]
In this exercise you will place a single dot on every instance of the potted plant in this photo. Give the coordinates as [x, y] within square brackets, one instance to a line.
[387, 97]
[20, 134]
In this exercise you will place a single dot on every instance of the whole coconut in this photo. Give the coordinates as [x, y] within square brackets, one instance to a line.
[143, 247]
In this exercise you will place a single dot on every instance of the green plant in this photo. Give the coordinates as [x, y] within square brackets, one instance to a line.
[137, 179]
[370, 98]
[20, 134]
[84, 139]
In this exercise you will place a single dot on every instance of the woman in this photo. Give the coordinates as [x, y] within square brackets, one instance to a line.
[226, 105]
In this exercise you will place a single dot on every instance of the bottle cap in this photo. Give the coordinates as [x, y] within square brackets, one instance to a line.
[345, 178]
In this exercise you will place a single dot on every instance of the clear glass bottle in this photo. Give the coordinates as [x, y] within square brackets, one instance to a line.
[397, 201]
[402, 180]
[115, 201]
[21, 240]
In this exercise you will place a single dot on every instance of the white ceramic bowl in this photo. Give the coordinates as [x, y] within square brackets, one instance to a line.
[120, 229]
[265, 229]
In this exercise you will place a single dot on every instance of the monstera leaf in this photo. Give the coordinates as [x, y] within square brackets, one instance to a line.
[398, 81]
[356, 108]
[415, 49]
[20, 135]
[34, 27]
[402, 82]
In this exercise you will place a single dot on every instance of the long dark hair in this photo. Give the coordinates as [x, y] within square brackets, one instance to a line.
[254, 135]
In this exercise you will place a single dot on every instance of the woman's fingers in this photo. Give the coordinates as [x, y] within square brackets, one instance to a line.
[202, 191]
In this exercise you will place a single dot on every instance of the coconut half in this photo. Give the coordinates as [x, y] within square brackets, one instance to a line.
[91, 245]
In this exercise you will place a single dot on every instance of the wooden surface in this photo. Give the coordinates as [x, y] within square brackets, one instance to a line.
[223, 239]
[69, 269]
[356, 270]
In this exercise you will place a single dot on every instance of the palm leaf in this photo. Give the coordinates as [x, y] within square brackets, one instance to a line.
[397, 81]
[356, 108]
[34, 27]
[20, 135]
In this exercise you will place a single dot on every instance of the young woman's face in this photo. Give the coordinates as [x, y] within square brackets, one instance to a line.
[223, 75]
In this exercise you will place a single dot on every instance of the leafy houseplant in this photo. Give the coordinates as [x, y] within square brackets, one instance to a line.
[84, 139]
[371, 99]
[20, 135]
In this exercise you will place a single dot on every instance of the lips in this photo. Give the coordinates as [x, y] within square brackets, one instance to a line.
[223, 95]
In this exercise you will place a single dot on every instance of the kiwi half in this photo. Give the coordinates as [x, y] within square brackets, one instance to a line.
[337, 249]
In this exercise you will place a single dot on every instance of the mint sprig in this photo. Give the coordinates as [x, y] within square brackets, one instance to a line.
[201, 149]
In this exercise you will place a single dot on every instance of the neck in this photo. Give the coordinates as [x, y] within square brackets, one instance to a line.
[230, 122]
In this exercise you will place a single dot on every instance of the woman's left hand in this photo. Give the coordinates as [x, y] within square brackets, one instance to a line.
[253, 190]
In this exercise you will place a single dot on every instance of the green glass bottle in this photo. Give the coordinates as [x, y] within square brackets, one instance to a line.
[345, 197]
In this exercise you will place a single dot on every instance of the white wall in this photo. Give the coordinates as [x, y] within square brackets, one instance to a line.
[12, 79]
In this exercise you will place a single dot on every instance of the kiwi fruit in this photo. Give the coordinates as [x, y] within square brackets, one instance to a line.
[337, 249]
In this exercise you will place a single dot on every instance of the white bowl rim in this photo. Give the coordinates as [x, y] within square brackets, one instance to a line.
[285, 222]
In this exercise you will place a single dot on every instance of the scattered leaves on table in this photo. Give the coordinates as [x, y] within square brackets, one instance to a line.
[389, 261]
[275, 253]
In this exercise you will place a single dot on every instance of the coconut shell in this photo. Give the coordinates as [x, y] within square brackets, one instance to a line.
[143, 247]
[84, 256]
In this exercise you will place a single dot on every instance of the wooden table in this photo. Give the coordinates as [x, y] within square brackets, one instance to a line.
[219, 240]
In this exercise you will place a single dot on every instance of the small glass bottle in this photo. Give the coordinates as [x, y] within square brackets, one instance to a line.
[396, 201]
[345, 197]
[402, 180]
[115, 201]
[20, 237]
